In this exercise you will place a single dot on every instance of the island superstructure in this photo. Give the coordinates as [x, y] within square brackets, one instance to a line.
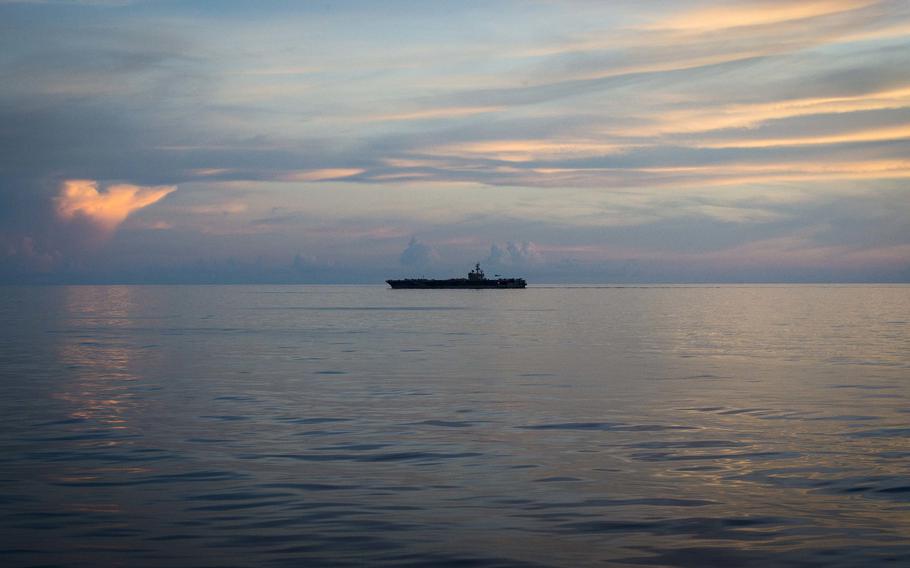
[476, 280]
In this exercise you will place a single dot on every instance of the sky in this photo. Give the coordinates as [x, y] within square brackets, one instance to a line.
[352, 141]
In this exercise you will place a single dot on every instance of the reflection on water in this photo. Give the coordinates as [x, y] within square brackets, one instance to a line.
[247, 426]
[96, 355]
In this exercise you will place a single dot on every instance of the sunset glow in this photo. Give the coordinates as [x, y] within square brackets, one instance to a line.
[651, 132]
[81, 198]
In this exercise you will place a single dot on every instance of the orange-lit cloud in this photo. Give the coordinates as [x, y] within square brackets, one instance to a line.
[732, 174]
[434, 113]
[750, 115]
[898, 132]
[206, 172]
[528, 150]
[757, 28]
[320, 175]
[757, 14]
[109, 208]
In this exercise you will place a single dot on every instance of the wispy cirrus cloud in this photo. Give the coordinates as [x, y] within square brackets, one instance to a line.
[321, 174]
[749, 115]
[432, 113]
[752, 13]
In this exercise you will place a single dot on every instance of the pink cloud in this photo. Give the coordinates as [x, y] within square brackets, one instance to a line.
[107, 209]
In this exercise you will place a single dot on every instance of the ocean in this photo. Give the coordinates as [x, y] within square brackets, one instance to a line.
[358, 425]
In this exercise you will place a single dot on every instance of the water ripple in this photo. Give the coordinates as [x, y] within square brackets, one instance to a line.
[353, 426]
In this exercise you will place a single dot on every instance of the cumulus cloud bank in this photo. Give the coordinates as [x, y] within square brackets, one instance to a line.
[106, 210]
[418, 254]
[514, 254]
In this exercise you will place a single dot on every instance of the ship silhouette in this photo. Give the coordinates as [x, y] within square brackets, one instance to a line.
[476, 280]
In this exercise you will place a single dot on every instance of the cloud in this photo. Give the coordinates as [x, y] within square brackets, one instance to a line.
[433, 113]
[323, 174]
[526, 150]
[514, 254]
[233, 207]
[748, 115]
[81, 199]
[418, 254]
[524, 253]
[757, 14]
[24, 253]
[896, 132]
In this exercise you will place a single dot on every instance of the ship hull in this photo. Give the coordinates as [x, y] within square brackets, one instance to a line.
[457, 283]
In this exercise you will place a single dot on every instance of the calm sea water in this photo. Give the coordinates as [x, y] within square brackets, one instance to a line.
[348, 426]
